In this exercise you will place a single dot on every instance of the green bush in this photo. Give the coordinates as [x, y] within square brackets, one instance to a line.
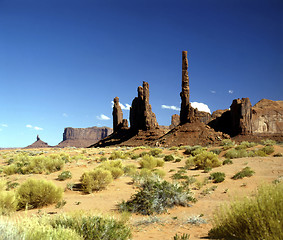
[150, 162]
[227, 161]
[115, 167]
[93, 227]
[9, 231]
[245, 172]
[155, 152]
[194, 150]
[245, 145]
[64, 175]
[168, 158]
[155, 196]
[38, 193]
[182, 237]
[130, 169]
[217, 177]
[206, 159]
[190, 163]
[118, 155]
[227, 143]
[268, 142]
[8, 202]
[217, 151]
[252, 218]
[95, 180]
[268, 149]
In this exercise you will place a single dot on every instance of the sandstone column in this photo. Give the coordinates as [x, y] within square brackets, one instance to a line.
[117, 115]
[186, 113]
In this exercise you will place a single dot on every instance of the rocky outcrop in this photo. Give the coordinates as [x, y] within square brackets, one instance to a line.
[264, 118]
[117, 115]
[267, 117]
[204, 117]
[241, 116]
[175, 121]
[38, 144]
[83, 137]
[141, 115]
[186, 112]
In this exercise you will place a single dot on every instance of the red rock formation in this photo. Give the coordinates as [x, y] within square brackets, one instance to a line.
[38, 144]
[187, 112]
[141, 115]
[117, 115]
[241, 116]
[203, 117]
[83, 137]
[175, 121]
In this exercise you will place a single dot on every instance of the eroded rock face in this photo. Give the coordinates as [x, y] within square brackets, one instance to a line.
[141, 115]
[204, 117]
[117, 115]
[267, 117]
[175, 121]
[241, 116]
[187, 112]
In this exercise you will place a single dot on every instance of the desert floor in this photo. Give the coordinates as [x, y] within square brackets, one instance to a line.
[162, 226]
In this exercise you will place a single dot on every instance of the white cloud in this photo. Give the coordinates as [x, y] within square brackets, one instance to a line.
[35, 128]
[212, 91]
[123, 107]
[230, 91]
[201, 107]
[4, 125]
[65, 115]
[102, 117]
[170, 107]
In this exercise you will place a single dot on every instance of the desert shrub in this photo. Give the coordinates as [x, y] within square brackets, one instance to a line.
[95, 180]
[184, 236]
[233, 153]
[168, 158]
[145, 174]
[118, 155]
[8, 202]
[245, 144]
[268, 149]
[178, 160]
[227, 161]
[159, 172]
[155, 152]
[64, 175]
[217, 151]
[130, 169]
[155, 196]
[38, 193]
[254, 218]
[278, 155]
[190, 163]
[194, 150]
[206, 159]
[173, 148]
[245, 172]
[24, 164]
[3, 184]
[9, 231]
[93, 227]
[268, 142]
[115, 167]
[227, 143]
[150, 162]
[217, 177]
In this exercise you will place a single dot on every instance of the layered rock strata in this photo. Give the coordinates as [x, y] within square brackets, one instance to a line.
[83, 137]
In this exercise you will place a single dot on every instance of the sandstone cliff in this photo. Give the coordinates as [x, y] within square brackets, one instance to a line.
[83, 137]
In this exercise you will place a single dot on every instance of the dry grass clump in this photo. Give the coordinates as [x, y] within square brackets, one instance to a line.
[8, 200]
[95, 180]
[252, 218]
[38, 193]
[115, 167]
[150, 162]
[203, 160]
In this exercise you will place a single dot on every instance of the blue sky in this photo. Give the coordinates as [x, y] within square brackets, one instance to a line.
[63, 61]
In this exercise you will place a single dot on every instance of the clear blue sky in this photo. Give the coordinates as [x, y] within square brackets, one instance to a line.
[63, 61]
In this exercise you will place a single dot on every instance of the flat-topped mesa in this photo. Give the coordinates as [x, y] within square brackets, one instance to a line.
[187, 112]
[117, 115]
[141, 115]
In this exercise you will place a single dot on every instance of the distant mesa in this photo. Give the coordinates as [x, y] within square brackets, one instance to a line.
[83, 137]
[38, 144]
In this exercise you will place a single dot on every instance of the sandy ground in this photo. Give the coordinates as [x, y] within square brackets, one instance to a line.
[175, 220]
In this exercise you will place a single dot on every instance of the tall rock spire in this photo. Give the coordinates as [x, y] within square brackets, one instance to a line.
[117, 115]
[187, 112]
